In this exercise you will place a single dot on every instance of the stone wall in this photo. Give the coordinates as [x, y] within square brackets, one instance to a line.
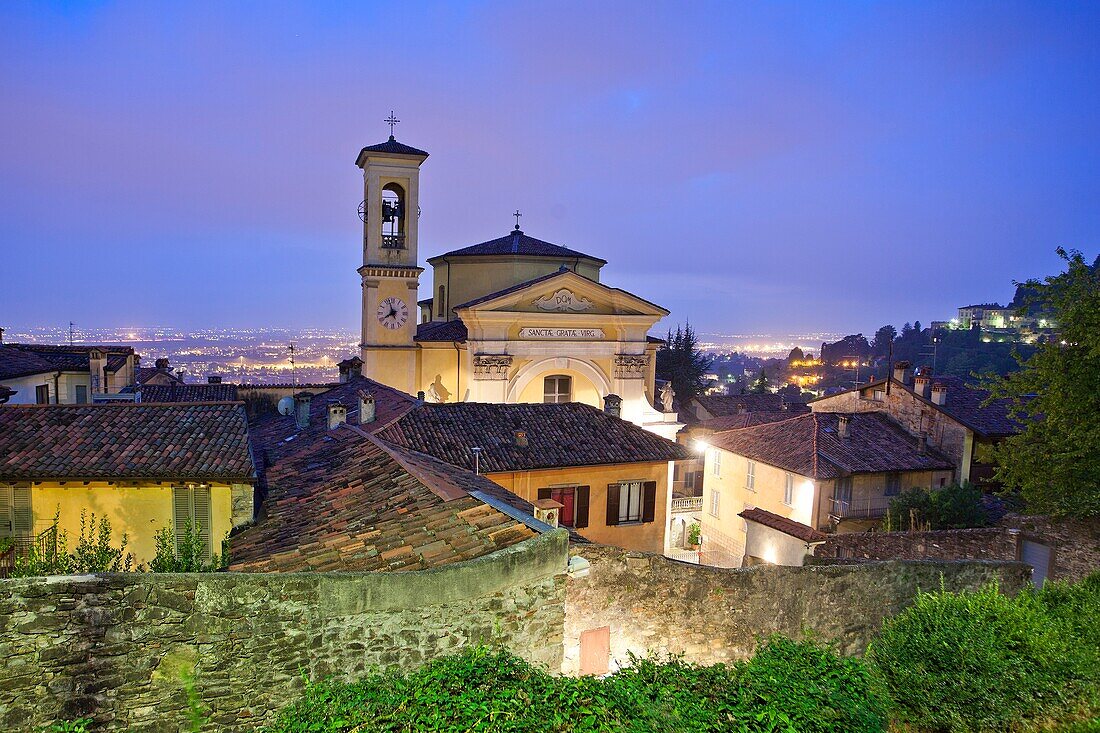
[1075, 544]
[117, 647]
[713, 614]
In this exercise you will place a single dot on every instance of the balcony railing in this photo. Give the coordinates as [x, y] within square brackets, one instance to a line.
[860, 507]
[683, 504]
[44, 544]
[393, 241]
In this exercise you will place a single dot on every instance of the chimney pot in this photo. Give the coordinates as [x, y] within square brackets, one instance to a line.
[521, 438]
[613, 405]
[939, 393]
[842, 427]
[337, 414]
[301, 409]
[922, 385]
[162, 365]
[901, 372]
[350, 369]
[213, 380]
[366, 407]
[1, 335]
[547, 511]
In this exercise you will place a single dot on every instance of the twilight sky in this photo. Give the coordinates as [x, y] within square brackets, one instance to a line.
[753, 167]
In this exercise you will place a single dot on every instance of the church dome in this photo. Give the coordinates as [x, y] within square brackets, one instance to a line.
[518, 243]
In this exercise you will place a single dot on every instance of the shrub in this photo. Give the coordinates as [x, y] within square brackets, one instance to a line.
[981, 661]
[950, 507]
[93, 553]
[187, 556]
[787, 687]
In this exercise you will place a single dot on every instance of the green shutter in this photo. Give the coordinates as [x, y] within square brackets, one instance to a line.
[181, 513]
[22, 516]
[202, 517]
[6, 519]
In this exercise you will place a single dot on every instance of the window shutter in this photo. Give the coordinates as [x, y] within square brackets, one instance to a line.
[6, 519]
[22, 518]
[202, 518]
[545, 493]
[649, 500]
[181, 513]
[581, 511]
[612, 504]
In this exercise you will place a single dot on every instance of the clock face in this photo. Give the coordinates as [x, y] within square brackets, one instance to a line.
[392, 313]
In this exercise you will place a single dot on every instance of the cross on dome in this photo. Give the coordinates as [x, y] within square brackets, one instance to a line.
[391, 121]
[517, 215]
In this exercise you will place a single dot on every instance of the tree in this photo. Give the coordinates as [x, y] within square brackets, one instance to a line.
[906, 330]
[1055, 462]
[761, 384]
[681, 363]
[880, 344]
[795, 355]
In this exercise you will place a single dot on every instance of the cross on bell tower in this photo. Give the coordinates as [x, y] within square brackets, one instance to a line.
[391, 121]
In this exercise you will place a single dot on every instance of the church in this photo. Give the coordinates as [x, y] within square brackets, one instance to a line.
[513, 319]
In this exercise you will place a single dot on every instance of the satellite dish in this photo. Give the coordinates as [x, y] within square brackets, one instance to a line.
[286, 406]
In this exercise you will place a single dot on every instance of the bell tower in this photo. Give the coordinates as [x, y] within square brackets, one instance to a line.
[390, 275]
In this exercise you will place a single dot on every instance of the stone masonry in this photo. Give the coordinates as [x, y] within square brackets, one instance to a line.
[119, 647]
[712, 614]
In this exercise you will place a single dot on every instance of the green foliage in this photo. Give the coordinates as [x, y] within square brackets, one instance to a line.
[789, 686]
[80, 725]
[695, 533]
[1054, 463]
[761, 384]
[188, 557]
[679, 361]
[984, 661]
[951, 507]
[94, 551]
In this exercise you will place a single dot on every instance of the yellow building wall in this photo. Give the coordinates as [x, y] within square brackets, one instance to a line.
[445, 367]
[724, 534]
[645, 537]
[139, 511]
[872, 487]
[583, 389]
[469, 278]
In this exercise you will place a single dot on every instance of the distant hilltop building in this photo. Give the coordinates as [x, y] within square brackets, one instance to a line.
[511, 320]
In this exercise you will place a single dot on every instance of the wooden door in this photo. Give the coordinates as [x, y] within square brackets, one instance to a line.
[595, 650]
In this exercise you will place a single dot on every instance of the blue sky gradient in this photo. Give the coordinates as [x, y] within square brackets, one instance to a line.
[753, 167]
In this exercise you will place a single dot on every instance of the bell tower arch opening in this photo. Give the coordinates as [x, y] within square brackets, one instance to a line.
[394, 208]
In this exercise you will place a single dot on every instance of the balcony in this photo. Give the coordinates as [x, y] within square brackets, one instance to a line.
[393, 241]
[872, 506]
[687, 504]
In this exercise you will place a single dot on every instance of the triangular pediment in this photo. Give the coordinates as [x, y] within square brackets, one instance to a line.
[564, 292]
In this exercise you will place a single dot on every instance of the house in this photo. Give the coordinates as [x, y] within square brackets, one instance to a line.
[823, 470]
[612, 477]
[145, 467]
[513, 319]
[43, 374]
[161, 374]
[338, 497]
[951, 413]
[773, 539]
[707, 407]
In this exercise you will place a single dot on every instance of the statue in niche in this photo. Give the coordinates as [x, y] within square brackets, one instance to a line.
[667, 396]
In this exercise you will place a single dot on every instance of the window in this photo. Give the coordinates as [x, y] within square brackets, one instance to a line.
[717, 462]
[574, 501]
[81, 394]
[439, 306]
[16, 517]
[631, 502]
[843, 491]
[191, 507]
[750, 476]
[893, 484]
[42, 394]
[788, 490]
[715, 502]
[557, 388]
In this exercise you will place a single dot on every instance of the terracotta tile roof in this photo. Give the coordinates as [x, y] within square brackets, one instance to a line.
[19, 363]
[48, 357]
[194, 441]
[747, 419]
[441, 331]
[144, 374]
[518, 243]
[347, 501]
[188, 393]
[783, 524]
[810, 446]
[391, 147]
[963, 403]
[558, 435]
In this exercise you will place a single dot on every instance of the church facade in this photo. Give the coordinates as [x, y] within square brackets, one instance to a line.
[510, 320]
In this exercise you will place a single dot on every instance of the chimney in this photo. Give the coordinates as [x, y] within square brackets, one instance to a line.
[337, 414]
[301, 409]
[213, 380]
[162, 365]
[420, 397]
[366, 407]
[521, 438]
[613, 405]
[97, 364]
[901, 372]
[922, 443]
[1, 335]
[922, 385]
[547, 510]
[939, 393]
[350, 369]
[842, 427]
